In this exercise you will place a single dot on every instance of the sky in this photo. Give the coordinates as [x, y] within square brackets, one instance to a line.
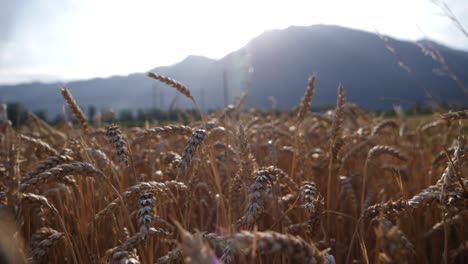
[60, 40]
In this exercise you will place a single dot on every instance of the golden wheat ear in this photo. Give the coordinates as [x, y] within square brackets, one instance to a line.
[306, 100]
[183, 89]
[75, 108]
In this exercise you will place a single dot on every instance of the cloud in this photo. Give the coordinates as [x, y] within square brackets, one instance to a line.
[8, 13]
[26, 30]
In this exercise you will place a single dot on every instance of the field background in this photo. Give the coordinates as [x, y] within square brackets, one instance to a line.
[237, 186]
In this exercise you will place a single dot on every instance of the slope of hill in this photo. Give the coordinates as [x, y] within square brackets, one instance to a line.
[360, 61]
[281, 61]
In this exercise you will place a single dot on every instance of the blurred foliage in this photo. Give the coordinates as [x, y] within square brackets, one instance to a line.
[18, 114]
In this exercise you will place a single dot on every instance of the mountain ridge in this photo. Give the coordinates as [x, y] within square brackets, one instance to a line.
[281, 61]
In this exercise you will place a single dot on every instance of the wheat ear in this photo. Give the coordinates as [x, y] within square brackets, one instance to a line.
[453, 116]
[382, 125]
[165, 131]
[115, 138]
[335, 145]
[173, 83]
[262, 182]
[48, 163]
[43, 247]
[121, 254]
[196, 140]
[76, 110]
[61, 171]
[306, 100]
[159, 188]
[314, 204]
[183, 89]
[373, 153]
[267, 243]
[43, 147]
[194, 248]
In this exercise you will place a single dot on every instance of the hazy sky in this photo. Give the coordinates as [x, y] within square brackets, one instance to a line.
[73, 39]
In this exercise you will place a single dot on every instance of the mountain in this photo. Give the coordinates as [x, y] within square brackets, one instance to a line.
[370, 73]
[278, 63]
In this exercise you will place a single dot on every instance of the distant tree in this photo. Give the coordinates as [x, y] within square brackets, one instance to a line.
[17, 113]
[58, 119]
[157, 114]
[42, 114]
[419, 109]
[126, 115]
[173, 115]
[151, 114]
[142, 115]
[91, 113]
[108, 116]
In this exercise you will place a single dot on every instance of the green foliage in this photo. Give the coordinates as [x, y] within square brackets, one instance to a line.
[126, 115]
[17, 113]
[91, 113]
[42, 114]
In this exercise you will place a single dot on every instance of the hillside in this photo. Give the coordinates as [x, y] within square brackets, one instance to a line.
[281, 61]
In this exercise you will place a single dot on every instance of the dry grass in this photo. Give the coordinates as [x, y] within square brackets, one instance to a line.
[345, 187]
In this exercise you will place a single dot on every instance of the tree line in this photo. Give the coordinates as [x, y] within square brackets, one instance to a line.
[17, 113]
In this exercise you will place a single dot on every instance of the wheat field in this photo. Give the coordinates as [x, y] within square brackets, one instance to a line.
[237, 186]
